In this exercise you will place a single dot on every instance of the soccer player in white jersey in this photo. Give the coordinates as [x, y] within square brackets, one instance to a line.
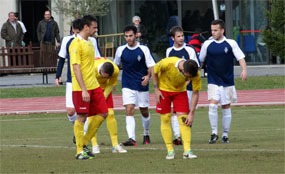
[183, 51]
[219, 53]
[137, 62]
[64, 54]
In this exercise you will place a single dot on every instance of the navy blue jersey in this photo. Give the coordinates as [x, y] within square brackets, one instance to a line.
[135, 62]
[220, 60]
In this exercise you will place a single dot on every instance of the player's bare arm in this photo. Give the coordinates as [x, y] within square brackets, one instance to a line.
[158, 94]
[79, 78]
[242, 64]
[194, 101]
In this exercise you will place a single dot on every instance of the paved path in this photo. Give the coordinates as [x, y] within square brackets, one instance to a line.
[57, 104]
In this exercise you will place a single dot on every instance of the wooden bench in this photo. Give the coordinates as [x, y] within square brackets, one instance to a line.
[20, 60]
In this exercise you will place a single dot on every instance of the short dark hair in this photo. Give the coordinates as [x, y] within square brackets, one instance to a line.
[87, 20]
[16, 14]
[190, 66]
[108, 68]
[130, 28]
[175, 29]
[76, 24]
[219, 22]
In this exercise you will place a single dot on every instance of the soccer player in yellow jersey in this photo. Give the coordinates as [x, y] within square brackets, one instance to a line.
[170, 77]
[87, 95]
[107, 75]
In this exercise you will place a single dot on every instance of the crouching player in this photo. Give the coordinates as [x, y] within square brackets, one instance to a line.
[170, 77]
[107, 75]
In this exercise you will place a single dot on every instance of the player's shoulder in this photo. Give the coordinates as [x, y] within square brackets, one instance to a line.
[231, 42]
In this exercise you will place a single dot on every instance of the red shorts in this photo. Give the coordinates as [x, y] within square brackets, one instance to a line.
[109, 101]
[179, 99]
[97, 104]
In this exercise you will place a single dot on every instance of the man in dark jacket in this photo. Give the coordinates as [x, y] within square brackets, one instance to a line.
[47, 30]
[12, 32]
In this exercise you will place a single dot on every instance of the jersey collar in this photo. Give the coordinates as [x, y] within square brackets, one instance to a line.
[133, 48]
[180, 48]
[220, 41]
[99, 67]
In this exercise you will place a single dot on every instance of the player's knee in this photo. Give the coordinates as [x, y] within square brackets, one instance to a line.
[165, 118]
[213, 108]
[104, 114]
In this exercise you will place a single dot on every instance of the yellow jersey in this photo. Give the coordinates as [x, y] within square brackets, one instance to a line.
[82, 53]
[170, 79]
[105, 82]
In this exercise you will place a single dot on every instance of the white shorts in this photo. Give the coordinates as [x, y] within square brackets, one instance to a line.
[68, 95]
[140, 99]
[224, 95]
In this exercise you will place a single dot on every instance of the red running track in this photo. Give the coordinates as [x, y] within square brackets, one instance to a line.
[57, 104]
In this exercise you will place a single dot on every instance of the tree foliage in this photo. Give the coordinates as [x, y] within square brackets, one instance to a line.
[82, 7]
[274, 35]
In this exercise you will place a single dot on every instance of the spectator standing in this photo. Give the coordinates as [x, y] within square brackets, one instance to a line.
[219, 53]
[47, 30]
[12, 32]
[141, 30]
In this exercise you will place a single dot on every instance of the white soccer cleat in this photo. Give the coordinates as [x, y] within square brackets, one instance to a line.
[95, 149]
[189, 155]
[170, 155]
[118, 149]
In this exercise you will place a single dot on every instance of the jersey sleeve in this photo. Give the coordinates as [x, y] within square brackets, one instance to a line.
[74, 51]
[62, 51]
[168, 52]
[158, 67]
[149, 60]
[192, 54]
[197, 82]
[236, 50]
[203, 52]
[118, 54]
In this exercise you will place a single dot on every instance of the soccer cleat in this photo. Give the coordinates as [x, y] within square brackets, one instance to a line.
[189, 155]
[118, 149]
[225, 139]
[130, 142]
[177, 141]
[83, 156]
[95, 149]
[74, 140]
[85, 149]
[170, 155]
[213, 139]
[146, 139]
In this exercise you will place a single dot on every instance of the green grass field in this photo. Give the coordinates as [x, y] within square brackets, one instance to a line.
[42, 143]
[265, 82]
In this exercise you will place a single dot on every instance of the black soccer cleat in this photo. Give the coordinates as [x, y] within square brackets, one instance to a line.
[74, 140]
[146, 139]
[130, 142]
[87, 151]
[213, 139]
[177, 141]
[225, 140]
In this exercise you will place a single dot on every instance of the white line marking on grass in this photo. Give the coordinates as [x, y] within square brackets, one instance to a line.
[148, 148]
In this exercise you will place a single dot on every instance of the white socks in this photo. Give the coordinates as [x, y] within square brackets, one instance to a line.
[130, 126]
[146, 124]
[86, 125]
[72, 118]
[213, 117]
[227, 117]
[175, 126]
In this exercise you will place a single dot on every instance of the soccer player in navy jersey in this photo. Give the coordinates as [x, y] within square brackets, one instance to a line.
[137, 62]
[183, 51]
[219, 53]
